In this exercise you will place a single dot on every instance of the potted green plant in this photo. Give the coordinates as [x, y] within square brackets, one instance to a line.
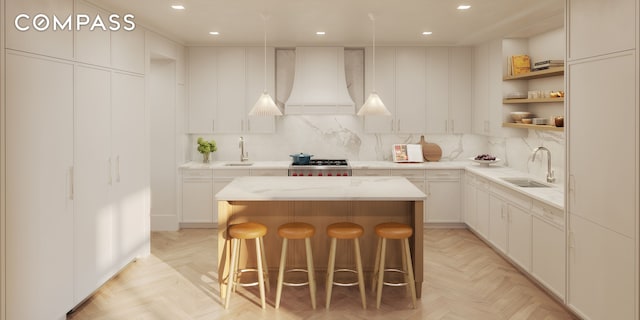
[206, 147]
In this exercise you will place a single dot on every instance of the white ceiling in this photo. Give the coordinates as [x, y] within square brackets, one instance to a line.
[346, 22]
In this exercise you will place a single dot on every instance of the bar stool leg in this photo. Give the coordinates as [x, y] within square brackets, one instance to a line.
[283, 258]
[412, 282]
[383, 253]
[232, 271]
[405, 275]
[356, 245]
[332, 263]
[264, 264]
[374, 278]
[236, 277]
[310, 272]
[260, 274]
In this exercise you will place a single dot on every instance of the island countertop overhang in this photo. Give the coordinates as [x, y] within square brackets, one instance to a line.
[380, 188]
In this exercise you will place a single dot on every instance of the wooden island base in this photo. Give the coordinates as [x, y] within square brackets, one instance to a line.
[321, 214]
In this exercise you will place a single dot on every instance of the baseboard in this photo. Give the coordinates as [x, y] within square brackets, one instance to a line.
[203, 225]
[164, 223]
[445, 225]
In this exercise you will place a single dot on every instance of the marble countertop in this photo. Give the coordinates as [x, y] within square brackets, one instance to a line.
[553, 196]
[320, 189]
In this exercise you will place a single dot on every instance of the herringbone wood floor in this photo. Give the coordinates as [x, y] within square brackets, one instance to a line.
[464, 279]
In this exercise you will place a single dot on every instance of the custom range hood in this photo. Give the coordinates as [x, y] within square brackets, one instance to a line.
[319, 83]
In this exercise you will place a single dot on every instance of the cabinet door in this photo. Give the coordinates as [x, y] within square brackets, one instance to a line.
[93, 46]
[94, 216]
[130, 156]
[197, 201]
[39, 193]
[230, 111]
[470, 211]
[444, 201]
[519, 247]
[410, 89]
[498, 223]
[482, 210]
[612, 23]
[203, 89]
[49, 42]
[548, 256]
[255, 86]
[480, 111]
[437, 90]
[590, 193]
[127, 50]
[601, 271]
[460, 90]
[385, 85]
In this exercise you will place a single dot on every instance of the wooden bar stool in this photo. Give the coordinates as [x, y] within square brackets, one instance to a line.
[247, 231]
[345, 230]
[297, 231]
[396, 231]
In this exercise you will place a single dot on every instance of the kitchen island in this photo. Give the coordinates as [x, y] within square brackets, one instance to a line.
[321, 201]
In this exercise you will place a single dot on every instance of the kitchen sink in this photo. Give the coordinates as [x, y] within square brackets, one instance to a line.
[238, 164]
[526, 183]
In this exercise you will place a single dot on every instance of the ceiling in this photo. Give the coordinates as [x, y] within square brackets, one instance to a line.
[346, 22]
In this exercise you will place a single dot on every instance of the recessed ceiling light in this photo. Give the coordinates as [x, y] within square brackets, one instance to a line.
[214, 33]
[177, 7]
[426, 33]
[464, 7]
[320, 33]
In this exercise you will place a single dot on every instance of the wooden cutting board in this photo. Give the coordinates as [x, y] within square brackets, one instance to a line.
[430, 151]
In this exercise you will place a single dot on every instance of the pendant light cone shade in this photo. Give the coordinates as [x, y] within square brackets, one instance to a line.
[265, 106]
[373, 106]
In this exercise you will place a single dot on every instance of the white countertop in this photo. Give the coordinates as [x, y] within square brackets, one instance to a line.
[553, 196]
[320, 188]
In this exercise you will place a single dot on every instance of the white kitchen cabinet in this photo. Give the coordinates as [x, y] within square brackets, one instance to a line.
[111, 177]
[39, 185]
[92, 46]
[225, 83]
[269, 172]
[482, 207]
[444, 196]
[498, 223]
[613, 23]
[52, 43]
[370, 172]
[519, 236]
[460, 90]
[197, 196]
[548, 255]
[203, 88]
[128, 50]
[480, 124]
[411, 81]
[470, 211]
[601, 271]
[437, 88]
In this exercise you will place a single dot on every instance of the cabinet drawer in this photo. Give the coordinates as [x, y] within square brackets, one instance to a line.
[548, 213]
[370, 172]
[231, 173]
[197, 174]
[513, 197]
[269, 172]
[443, 174]
[408, 173]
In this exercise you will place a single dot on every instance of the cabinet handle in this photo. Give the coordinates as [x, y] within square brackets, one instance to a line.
[71, 183]
[110, 179]
[118, 168]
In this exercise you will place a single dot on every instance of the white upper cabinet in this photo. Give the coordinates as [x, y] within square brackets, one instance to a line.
[93, 46]
[411, 98]
[203, 89]
[52, 43]
[480, 111]
[460, 66]
[598, 27]
[437, 90]
[224, 84]
[127, 50]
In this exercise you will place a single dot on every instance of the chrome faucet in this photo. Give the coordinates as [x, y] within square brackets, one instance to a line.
[243, 156]
[550, 177]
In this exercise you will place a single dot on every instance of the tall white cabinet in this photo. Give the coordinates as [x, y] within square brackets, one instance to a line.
[603, 222]
[40, 191]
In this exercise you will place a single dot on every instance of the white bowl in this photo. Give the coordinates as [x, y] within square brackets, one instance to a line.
[518, 115]
[484, 163]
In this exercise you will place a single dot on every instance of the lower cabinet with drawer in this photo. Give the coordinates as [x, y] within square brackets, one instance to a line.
[197, 196]
[444, 196]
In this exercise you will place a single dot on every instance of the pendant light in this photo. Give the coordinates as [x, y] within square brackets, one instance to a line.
[265, 106]
[373, 106]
